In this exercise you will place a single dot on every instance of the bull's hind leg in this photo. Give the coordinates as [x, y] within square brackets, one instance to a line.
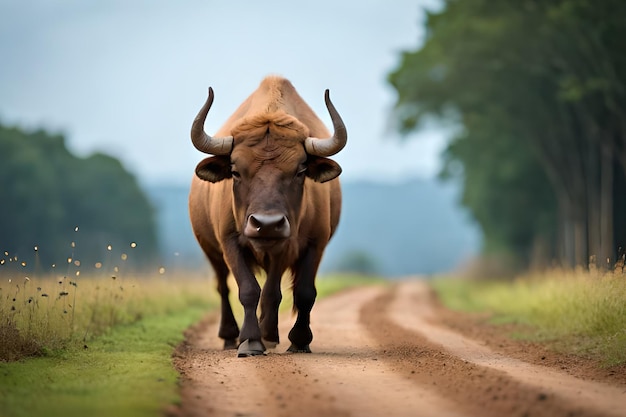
[229, 331]
[304, 294]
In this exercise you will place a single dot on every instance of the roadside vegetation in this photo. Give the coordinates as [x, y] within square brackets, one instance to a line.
[50, 313]
[573, 311]
[126, 372]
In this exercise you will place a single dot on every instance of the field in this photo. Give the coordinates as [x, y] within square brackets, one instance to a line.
[95, 343]
[53, 312]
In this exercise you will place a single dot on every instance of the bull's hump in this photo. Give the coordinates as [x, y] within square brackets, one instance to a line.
[275, 95]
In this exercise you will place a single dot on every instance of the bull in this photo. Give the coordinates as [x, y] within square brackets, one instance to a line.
[268, 199]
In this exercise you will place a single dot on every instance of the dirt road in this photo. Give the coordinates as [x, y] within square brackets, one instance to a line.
[383, 351]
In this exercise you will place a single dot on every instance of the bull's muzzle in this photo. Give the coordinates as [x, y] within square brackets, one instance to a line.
[267, 226]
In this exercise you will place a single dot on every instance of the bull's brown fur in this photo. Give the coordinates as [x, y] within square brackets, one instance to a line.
[274, 174]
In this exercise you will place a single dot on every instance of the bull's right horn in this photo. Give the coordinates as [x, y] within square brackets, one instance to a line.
[334, 144]
[202, 141]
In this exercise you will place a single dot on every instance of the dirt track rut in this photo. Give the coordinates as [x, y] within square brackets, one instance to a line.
[379, 352]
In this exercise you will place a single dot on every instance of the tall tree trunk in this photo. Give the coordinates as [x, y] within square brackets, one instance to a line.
[619, 217]
[592, 182]
[606, 255]
[573, 248]
[566, 241]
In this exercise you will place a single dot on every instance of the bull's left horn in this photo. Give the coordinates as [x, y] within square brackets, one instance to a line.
[334, 144]
[202, 141]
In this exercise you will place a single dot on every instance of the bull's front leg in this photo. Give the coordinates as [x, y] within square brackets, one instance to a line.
[250, 334]
[249, 295]
[271, 297]
[304, 294]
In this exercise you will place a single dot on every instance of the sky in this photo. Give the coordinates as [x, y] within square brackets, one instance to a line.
[128, 77]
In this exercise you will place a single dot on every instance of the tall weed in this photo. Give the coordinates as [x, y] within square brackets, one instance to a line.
[41, 314]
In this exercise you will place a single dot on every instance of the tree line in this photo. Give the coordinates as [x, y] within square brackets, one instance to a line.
[57, 208]
[538, 91]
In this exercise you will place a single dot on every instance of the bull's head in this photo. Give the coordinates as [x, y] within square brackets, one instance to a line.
[268, 159]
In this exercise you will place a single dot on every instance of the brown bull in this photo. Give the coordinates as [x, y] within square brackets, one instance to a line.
[269, 199]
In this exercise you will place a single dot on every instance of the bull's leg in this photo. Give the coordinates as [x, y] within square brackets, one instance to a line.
[249, 295]
[229, 331]
[304, 294]
[271, 297]
[250, 334]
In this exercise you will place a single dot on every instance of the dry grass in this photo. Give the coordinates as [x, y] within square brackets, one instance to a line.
[51, 312]
[577, 311]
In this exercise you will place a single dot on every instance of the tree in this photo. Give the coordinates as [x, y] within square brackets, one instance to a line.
[515, 224]
[537, 86]
[47, 192]
[358, 262]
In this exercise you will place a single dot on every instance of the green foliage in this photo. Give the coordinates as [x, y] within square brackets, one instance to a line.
[47, 192]
[539, 91]
[507, 191]
[358, 262]
[573, 311]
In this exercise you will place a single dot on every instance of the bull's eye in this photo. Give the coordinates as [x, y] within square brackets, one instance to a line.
[235, 173]
[301, 173]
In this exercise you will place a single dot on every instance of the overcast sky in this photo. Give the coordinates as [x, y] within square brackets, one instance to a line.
[127, 77]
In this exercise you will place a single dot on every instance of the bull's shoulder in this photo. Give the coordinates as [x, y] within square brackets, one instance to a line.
[209, 203]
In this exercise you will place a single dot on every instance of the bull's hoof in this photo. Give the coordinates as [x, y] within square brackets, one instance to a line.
[299, 349]
[269, 344]
[250, 348]
[230, 344]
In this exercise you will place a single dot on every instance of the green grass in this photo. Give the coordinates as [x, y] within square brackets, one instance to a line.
[127, 372]
[330, 284]
[572, 311]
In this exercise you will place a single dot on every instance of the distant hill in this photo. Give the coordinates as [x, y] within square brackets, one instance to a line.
[414, 227]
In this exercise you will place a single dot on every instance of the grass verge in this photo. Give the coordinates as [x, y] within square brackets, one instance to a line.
[572, 311]
[127, 372]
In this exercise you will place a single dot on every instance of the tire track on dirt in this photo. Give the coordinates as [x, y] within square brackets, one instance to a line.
[343, 377]
[484, 382]
[346, 363]
[414, 297]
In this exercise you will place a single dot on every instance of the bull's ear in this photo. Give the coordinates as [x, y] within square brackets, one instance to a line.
[214, 169]
[322, 169]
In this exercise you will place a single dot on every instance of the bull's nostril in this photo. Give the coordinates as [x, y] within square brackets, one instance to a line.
[271, 226]
[255, 223]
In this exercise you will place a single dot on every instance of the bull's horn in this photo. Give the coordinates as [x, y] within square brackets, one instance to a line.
[202, 141]
[334, 144]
